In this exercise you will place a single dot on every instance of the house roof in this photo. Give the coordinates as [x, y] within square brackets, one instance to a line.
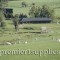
[8, 10]
[35, 19]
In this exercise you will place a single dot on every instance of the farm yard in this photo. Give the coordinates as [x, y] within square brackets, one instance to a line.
[30, 36]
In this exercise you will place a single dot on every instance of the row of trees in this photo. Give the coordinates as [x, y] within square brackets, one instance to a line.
[44, 11]
[41, 12]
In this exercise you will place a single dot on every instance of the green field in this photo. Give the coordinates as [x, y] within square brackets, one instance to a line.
[31, 33]
[16, 5]
[43, 42]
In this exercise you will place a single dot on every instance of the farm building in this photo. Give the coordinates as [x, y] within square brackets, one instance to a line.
[8, 12]
[36, 20]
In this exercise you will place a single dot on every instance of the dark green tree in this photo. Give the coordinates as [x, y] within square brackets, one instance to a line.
[45, 11]
[37, 12]
[32, 11]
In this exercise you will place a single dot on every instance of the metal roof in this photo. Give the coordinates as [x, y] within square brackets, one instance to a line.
[35, 19]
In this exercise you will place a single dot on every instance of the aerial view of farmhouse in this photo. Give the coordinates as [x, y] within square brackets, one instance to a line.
[29, 29]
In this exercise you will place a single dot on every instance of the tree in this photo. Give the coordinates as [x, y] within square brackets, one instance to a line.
[37, 12]
[2, 6]
[45, 11]
[32, 11]
[21, 16]
[15, 21]
[24, 4]
[33, 3]
[2, 22]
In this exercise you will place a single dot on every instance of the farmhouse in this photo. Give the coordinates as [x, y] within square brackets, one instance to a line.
[36, 20]
[8, 12]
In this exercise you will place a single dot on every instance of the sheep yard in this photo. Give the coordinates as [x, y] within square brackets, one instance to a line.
[31, 41]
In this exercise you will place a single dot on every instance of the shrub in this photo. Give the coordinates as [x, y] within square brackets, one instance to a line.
[24, 4]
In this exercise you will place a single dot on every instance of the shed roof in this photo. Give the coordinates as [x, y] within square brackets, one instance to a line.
[35, 19]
